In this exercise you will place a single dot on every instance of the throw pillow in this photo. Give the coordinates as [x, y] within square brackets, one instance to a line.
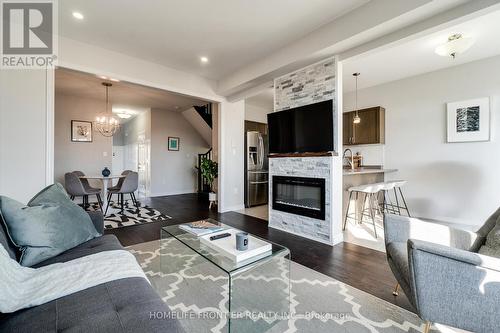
[48, 226]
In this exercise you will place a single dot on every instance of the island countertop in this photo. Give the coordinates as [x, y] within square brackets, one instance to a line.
[367, 170]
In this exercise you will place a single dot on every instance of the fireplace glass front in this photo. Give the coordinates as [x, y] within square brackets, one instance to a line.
[300, 196]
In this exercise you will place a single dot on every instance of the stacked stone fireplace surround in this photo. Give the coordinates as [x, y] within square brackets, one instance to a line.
[313, 84]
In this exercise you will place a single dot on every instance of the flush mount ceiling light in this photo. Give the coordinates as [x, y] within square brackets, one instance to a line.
[105, 123]
[78, 15]
[124, 113]
[356, 119]
[204, 60]
[455, 45]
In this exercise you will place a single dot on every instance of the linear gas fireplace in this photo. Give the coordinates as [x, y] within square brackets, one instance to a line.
[299, 195]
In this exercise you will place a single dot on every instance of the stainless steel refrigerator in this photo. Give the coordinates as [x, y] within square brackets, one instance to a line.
[256, 169]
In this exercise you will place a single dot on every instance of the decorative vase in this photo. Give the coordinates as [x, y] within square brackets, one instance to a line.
[106, 172]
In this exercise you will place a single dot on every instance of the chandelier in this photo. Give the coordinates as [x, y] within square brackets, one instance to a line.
[105, 123]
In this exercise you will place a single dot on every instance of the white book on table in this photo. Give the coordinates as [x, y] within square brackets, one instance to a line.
[227, 246]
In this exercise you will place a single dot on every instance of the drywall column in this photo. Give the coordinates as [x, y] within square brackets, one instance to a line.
[23, 132]
[231, 160]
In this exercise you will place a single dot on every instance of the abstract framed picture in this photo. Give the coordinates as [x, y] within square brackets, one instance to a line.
[81, 131]
[469, 120]
[173, 143]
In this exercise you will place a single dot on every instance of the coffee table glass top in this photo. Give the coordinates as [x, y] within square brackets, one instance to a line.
[218, 259]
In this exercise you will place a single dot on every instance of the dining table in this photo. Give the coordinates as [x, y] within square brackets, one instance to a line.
[105, 184]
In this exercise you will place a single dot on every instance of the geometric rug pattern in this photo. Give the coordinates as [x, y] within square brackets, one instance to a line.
[197, 293]
[130, 216]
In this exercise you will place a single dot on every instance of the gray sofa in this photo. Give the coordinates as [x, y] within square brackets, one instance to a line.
[442, 274]
[123, 305]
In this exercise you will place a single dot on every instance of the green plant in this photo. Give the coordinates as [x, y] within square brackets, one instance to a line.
[209, 171]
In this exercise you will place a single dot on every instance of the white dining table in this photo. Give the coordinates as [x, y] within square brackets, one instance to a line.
[105, 185]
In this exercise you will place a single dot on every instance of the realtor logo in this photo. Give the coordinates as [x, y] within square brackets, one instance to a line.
[28, 36]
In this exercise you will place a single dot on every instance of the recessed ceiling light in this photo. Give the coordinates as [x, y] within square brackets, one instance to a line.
[114, 80]
[103, 77]
[78, 15]
[204, 60]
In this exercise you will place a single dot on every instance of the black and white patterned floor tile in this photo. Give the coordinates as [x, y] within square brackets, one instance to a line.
[317, 303]
[130, 216]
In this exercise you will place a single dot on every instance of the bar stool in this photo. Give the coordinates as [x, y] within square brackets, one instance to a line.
[371, 192]
[388, 206]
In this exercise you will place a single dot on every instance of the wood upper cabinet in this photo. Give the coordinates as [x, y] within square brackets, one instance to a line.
[371, 129]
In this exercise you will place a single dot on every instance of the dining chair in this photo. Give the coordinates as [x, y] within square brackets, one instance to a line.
[120, 181]
[129, 186]
[85, 182]
[75, 188]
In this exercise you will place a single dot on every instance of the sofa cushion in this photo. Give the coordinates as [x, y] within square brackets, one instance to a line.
[126, 305]
[51, 224]
[96, 245]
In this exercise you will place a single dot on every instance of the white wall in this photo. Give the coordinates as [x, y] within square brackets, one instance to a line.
[23, 133]
[453, 182]
[173, 172]
[89, 157]
[256, 113]
[231, 146]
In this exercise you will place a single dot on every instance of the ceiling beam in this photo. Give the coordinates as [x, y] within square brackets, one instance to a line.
[369, 26]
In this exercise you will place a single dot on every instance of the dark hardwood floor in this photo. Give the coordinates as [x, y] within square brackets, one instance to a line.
[360, 267]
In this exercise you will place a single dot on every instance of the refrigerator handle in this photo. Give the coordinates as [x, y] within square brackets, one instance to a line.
[261, 152]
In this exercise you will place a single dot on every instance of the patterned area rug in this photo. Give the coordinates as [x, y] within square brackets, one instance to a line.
[130, 216]
[197, 293]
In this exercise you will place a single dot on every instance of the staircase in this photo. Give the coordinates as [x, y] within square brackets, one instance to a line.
[205, 111]
[200, 117]
[203, 186]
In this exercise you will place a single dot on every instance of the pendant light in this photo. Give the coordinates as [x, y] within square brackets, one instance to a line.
[105, 123]
[356, 119]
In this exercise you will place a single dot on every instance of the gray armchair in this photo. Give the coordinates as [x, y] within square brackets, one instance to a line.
[129, 185]
[442, 274]
[76, 188]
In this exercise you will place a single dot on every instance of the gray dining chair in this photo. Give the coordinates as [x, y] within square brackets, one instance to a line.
[120, 181]
[75, 188]
[129, 186]
[85, 182]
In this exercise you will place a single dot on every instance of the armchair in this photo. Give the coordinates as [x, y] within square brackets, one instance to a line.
[443, 276]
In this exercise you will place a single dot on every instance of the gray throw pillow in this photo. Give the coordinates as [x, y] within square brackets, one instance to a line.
[48, 226]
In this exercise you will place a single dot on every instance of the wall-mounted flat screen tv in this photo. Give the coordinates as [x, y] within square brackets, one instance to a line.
[304, 129]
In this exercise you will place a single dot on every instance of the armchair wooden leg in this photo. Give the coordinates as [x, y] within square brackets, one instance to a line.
[427, 327]
[396, 290]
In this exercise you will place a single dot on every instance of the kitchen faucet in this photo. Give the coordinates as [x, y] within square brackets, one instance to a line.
[351, 159]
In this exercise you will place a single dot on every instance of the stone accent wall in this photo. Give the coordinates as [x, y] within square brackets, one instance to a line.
[313, 167]
[312, 84]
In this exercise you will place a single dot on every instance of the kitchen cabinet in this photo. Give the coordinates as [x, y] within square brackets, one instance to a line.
[371, 129]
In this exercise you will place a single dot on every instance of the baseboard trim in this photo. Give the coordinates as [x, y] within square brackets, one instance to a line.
[163, 194]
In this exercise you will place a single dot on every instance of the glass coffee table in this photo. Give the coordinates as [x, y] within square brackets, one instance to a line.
[255, 292]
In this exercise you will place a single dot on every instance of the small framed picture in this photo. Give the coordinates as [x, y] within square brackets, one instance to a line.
[173, 143]
[469, 120]
[81, 131]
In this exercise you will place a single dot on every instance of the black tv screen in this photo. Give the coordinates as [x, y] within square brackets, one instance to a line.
[305, 129]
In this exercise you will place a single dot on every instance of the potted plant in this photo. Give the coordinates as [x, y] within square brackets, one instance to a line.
[210, 171]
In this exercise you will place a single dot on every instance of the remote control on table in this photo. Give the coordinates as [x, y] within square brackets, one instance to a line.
[224, 235]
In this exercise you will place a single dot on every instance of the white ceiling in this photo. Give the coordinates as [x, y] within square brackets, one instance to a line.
[122, 94]
[417, 56]
[176, 33]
